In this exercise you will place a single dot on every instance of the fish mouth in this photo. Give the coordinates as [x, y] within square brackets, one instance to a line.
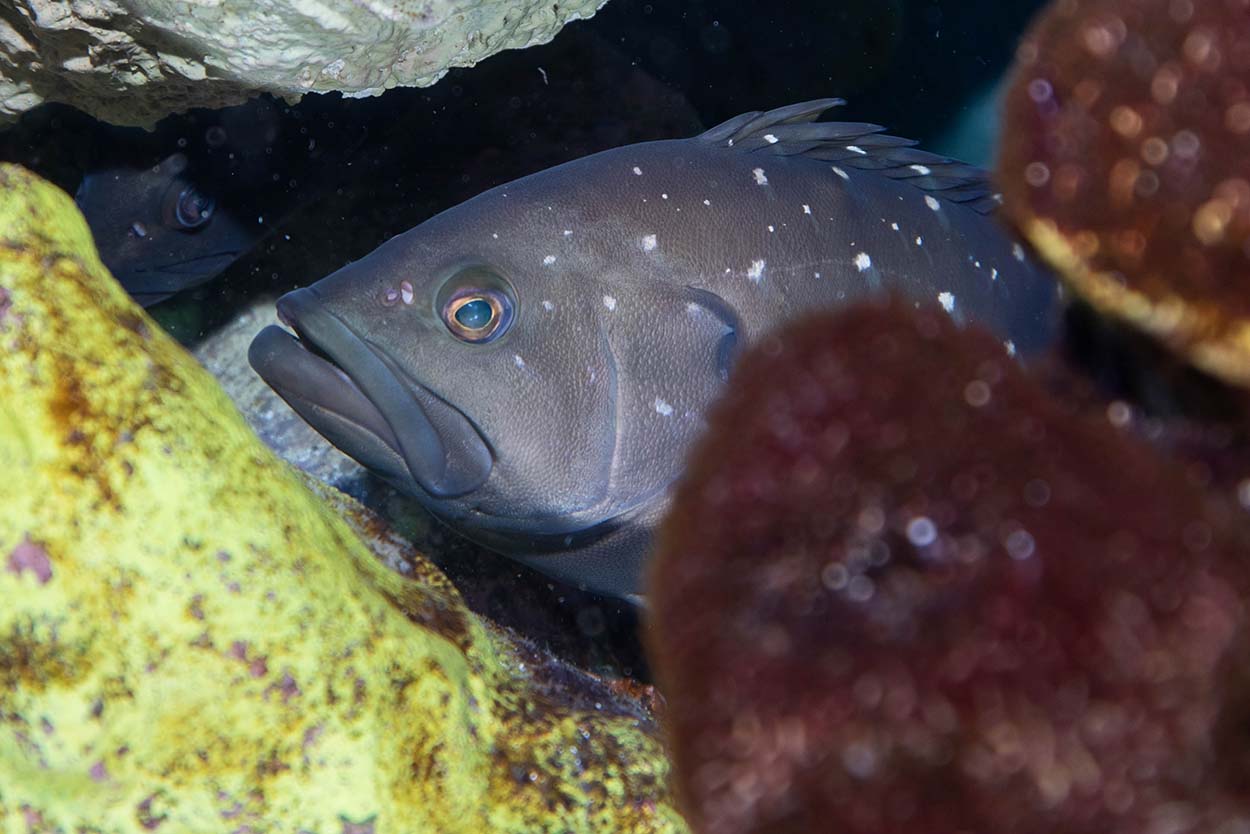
[169, 278]
[356, 397]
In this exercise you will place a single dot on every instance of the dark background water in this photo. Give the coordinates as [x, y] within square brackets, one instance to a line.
[327, 180]
[637, 70]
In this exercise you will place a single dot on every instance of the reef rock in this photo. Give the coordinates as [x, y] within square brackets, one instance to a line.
[132, 62]
[1126, 161]
[191, 640]
[902, 589]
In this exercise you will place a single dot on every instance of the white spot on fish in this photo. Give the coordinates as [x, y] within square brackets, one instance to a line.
[637, 171]
[771, 228]
[977, 264]
[756, 272]
[664, 196]
[817, 274]
[692, 308]
[609, 302]
[1017, 251]
[707, 202]
[807, 209]
[947, 301]
[843, 174]
[994, 274]
[548, 306]
[568, 232]
[923, 170]
[495, 235]
[663, 408]
[405, 291]
[648, 243]
[894, 226]
[919, 240]
[931, 202]
[760, 177]
[856, 149]
[770, 139]
[518, 361]
[1010, 346]
[863, 261]
[549, 260]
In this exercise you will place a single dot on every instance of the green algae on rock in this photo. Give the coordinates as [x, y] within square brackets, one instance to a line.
[191, 641]
[931, 598]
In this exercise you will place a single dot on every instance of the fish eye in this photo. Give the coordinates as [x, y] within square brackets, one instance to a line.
[477, 315]
[187, 208]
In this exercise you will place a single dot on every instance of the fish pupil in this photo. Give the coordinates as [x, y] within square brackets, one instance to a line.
[475, 314]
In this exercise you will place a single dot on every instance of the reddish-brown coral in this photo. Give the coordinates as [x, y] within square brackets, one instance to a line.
[1126, 161]
[902, 590]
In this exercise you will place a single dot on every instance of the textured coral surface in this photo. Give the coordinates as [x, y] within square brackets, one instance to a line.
[903, 590]
[1126, 160]
[191, 641]
[135, 61]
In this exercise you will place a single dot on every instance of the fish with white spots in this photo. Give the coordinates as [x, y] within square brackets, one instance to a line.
[532, 365]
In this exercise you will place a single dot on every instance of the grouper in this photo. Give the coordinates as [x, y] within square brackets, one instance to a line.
[533, 364]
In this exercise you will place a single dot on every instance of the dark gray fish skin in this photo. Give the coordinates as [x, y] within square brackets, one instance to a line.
[636, 274]
[147, 231]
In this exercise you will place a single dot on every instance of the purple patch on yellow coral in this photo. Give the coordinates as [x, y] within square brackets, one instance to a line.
[902, 590]
[30, 556]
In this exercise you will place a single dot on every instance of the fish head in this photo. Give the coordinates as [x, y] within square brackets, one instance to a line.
[160, 229]
[497, 362]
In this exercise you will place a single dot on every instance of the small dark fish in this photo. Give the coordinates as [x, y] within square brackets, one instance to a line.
[173, 209]
[159, 230]
[532, 365]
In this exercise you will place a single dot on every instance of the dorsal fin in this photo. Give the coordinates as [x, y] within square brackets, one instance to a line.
[794, 131]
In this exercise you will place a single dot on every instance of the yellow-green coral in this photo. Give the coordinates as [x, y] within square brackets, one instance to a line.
[191, 641]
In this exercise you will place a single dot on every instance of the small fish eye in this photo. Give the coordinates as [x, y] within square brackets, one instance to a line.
[193, 209]
[478, 315]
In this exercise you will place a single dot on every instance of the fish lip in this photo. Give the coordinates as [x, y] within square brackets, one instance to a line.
[331, 376]
[213, 262]
[174, 276]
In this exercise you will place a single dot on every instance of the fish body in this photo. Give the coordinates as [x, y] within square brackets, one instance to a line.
[533, 364]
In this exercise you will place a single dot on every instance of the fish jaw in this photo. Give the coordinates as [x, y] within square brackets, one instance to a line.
[355, 396]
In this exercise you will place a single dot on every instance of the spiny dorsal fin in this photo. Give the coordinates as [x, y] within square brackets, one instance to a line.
[793, 131]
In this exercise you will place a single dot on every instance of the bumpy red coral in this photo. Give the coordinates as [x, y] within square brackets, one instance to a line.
[901, 590]
[1126, 160]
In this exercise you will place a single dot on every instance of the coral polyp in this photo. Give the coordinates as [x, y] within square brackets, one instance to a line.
[1126, 162]
[931, 598]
